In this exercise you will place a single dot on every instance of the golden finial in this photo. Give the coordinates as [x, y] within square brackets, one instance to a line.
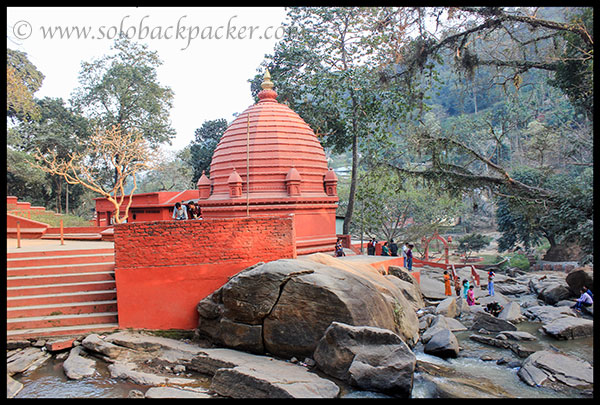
[267, 84]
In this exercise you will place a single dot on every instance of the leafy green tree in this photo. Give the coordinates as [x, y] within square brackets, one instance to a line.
[390, 209]
[123, 89]
[470, 244]
[58, 130]
[23, 79]
[570, 220]
[170, 173]
[515, 41]
[325, 69]
[574, 73]
[206, 139]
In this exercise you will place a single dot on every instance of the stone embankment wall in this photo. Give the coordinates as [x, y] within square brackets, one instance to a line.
[164, 268]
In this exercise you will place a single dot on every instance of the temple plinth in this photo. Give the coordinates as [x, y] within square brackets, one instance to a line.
[282, 169]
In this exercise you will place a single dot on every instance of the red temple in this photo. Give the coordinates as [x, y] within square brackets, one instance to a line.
[268, 162]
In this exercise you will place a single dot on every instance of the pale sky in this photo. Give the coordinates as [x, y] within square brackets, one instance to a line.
[208, 75]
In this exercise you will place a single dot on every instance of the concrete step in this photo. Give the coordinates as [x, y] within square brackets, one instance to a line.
[61, 298]
[60, 331]
[48, 279]
[60, 260]
[49, 253]
[53, 321]
[71, 268]
[60, 288]
[73, 236]
[61, 309]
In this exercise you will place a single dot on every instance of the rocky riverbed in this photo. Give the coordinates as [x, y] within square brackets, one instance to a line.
[437, 347]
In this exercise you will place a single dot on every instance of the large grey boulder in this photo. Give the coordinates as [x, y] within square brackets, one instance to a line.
[512, 288]
[483, 320]
[77, 366]
[568, 327]
[511, 313]
[437, 324]
[551, 368]
[442, 344]
[29, 358]
[410, 290]
[502, 341]
[580, 277]
[93, 343]
[129, 371]
[547, 313]
[370, 358]
[447, 308]
[551, 288]
[244, 375]
[284, 307]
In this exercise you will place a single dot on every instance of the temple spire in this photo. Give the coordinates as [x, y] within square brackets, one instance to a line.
[267, 93]
[267, 84]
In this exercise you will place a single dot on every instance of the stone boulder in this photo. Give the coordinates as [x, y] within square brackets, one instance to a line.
[372, 359]
[502, 341]
[551, 368]
[77, 366]
[284, 307]
[442, 344]
[553, 293]
[512, 288]
[515, 335]
[176, 392]
[447, 307]
[547, 313]
[583, 276]
[511, 313]
[438, 323]
[402, 274]
[483, 320]
[411, 291]
[551, 288]
[93, 343]
[27, 359]
[129, 371]
[569, 327]
[237, 374]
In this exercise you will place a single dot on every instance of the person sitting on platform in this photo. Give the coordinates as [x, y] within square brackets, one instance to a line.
[193, 210]
[179, 212]
[339, 249]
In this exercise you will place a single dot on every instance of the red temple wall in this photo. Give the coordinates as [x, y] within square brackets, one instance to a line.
[164, 268]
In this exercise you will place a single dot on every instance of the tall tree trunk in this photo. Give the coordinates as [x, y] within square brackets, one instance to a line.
[354, 176]
[58, 196]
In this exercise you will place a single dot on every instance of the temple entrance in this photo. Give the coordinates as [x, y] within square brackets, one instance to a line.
[426, 243]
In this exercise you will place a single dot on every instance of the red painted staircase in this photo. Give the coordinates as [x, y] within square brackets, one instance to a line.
[60, 293]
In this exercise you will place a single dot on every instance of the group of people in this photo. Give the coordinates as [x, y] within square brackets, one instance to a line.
[391, 249]
[387, 249]
[188, 211]
[468, 291]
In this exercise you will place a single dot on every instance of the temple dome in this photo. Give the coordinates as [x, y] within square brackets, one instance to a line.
[270, 139]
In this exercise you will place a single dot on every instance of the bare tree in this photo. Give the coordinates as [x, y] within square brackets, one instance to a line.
[125, 151]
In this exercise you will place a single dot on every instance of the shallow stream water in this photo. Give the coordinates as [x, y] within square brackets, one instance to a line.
[49, 381]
